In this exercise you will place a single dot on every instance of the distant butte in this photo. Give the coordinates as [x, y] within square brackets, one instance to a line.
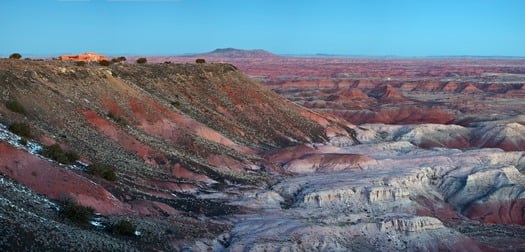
[238, 53]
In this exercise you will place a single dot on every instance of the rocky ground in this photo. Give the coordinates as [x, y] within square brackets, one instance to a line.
[208, 159]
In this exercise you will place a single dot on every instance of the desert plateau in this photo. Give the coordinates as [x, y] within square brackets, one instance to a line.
[253, 151]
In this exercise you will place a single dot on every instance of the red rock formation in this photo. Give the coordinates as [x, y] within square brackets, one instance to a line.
[470, 88]
[450, 87]
[386, 92]
[511, 212]
[88, 56]
[351, 93]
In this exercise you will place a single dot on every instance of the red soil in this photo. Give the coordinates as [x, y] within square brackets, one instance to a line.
[57, 182]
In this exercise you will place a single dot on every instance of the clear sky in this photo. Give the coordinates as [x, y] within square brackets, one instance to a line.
[349, 27]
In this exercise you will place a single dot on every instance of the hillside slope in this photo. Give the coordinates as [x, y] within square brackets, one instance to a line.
[169, 131]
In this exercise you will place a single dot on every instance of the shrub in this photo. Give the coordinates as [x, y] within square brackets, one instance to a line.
[119, 59]
[123, 227]
[77, 213]
[142, 60]
[101, 170]
[104, 62]
[167, 62]
[80, 63]
[56, 153]
[15, 106]
[117, 118]
[21, 129]
[175, 103]
[200, 61]
[15, 56]
[23, 141]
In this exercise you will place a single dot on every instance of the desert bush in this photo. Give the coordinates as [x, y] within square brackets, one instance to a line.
[200, 61]
[15, 106]
[77, 213]
[167, 62]
[15, 56]
[80, 63]
[101, 170]
[175, 103]
[119, 59]
[142, 60]
[123, 227]
[104, 62]
[22, 141]
[21, 129]
[117, 119]
[56, 153]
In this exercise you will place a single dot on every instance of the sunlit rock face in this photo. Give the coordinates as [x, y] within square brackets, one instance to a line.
[88, 56]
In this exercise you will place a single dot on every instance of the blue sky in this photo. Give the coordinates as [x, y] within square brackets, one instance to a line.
[171, 27]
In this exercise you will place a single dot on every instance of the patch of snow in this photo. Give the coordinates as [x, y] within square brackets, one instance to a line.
[97, 223]
[137, 233]
[33, 147]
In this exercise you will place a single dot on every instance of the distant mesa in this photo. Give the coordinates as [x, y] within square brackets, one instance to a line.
[88, 56]
[238, 53]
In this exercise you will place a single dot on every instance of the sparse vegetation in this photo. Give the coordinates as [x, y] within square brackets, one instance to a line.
[200, 61]
[123, 227]
[104, 63]
[77, 213]
[15, 56]
[167, 62]
[22, 129]
[175, 103]
[117, 119]
[142, 60]
[119, 59]
[80, 63]
[23, 141]
[101, 170]
[15, 106]
[56, 153]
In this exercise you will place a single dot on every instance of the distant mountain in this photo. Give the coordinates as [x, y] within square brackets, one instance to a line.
[238, 53]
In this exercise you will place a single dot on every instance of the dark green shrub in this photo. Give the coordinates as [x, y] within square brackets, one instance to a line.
[22, 141]
[15, 106]
[56, 153]
[80, 63]
[15, 56]
[77, 213]
[101, 170]
[117, 118]
[119, 59]
[21, 129]
[200, 61]
[104, 62]
[142, 60]
[175, 103]
[123, 227]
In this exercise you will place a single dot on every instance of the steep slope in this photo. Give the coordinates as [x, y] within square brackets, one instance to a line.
[169, 131]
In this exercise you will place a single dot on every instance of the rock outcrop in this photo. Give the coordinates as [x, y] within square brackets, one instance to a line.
[88, 56]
